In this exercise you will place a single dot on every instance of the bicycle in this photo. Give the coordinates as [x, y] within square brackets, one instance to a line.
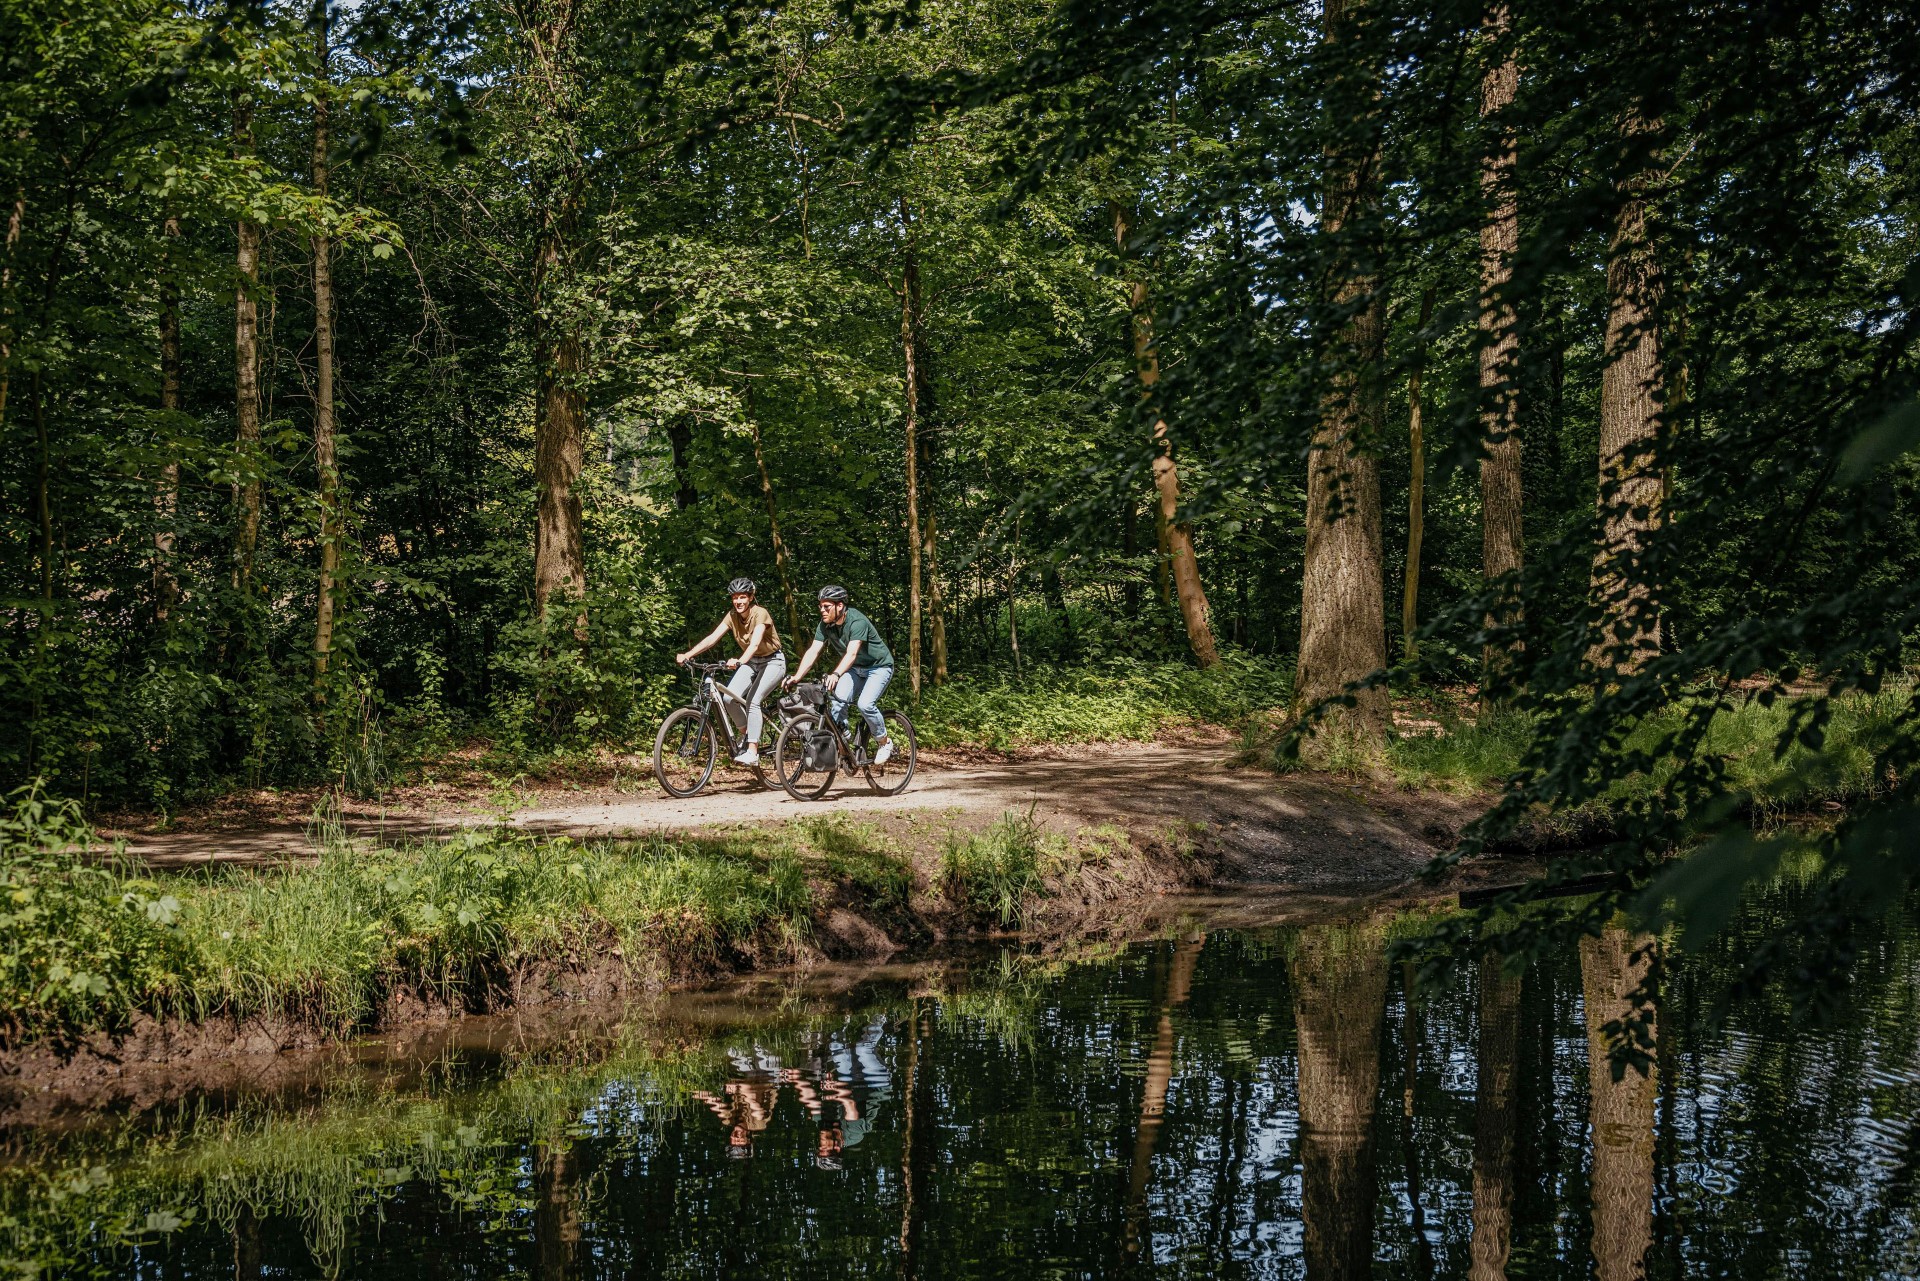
[812, 748]
[685, 749]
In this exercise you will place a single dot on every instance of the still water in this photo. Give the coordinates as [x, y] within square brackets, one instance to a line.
[1218, 1102]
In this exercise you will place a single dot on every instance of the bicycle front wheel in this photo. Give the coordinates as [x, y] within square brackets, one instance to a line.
[892, 778]
[806, 757]
[683, 752]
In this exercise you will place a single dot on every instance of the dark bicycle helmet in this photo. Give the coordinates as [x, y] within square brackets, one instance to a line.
[739, 585]
[834, 592]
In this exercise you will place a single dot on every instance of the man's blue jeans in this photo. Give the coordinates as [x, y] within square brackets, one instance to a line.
[862, 686]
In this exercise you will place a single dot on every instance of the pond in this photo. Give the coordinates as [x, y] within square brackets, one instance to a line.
[1255, 1101]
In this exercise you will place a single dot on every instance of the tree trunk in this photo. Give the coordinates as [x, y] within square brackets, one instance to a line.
[1501, 549]
[166, 494]
[15, 217]
[1013, 592]
[918, 1132]
[1153, 1094]
[909, 290]
[1342, 612]
[559, 556]
[1622, 1110]
[1056, 596]
[1416, 485]
[1496, 1121]
[1630, 419]
[936, 614]
[246, 376]
[326, 459]
[781, 562]
[1177, 537]
[1339, 975]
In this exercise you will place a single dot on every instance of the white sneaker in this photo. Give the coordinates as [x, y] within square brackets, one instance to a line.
[749, 757]
[885, 753]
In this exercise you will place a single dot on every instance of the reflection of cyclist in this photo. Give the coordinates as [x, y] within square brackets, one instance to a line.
[860, 657]
[761, 663]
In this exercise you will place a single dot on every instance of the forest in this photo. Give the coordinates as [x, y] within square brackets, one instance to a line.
[377, 378]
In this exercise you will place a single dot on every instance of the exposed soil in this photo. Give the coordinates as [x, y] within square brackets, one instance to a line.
[1299, 829]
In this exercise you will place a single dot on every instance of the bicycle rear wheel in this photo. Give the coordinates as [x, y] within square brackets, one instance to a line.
[806, 757]
[892, 778]
[683, 752]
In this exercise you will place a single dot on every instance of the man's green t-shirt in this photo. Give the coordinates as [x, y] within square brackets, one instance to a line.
[856, 626]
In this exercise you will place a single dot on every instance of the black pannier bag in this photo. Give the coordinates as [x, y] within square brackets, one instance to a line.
[807, 697]
[822, 752]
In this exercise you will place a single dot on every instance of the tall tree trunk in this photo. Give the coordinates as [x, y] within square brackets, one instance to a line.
[1502, 551]
[326, 459]
[1056, 597]
[1630, 420]
[1153, 1094]
[1342, 612]
[166, 494]
[559, 557]
[1621, 1111]
[936, 613]
[1177, 545]
[782, 563]
[1416, 484]
[680, 443]
[16, 216]
[1339, 975]
[909, 292]
[1013, 593]
[1496, 1122]
[246, 373]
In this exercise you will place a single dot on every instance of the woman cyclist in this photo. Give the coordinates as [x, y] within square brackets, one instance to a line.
[761, 663]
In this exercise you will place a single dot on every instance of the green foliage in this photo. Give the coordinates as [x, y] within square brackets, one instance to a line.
[88, 945]
[81, 945]
[1120, 700]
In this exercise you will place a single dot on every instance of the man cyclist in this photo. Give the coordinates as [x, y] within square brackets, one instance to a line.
[861, 661]
[761, 663]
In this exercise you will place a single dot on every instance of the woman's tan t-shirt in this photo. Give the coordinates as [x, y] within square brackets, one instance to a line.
[742, 628]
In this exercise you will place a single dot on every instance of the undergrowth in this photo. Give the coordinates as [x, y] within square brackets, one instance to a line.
[1121, 700]
[1467, 754]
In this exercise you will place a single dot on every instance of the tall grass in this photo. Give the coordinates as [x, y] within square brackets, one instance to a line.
[83, 947]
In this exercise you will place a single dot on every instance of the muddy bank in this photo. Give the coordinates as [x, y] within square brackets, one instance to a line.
[877, 890]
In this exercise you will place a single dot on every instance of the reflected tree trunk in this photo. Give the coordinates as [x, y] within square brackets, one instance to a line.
[1410, 1079]
[249, 1261]
[1153, 1095]
[1612, 968]
[916, 1148]
[556, 1210]
[1495, 1122]
[1339, 975]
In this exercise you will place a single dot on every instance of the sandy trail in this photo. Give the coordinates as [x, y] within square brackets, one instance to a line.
[1298, 830]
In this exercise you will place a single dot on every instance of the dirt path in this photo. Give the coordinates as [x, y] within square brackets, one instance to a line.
[1296, 830]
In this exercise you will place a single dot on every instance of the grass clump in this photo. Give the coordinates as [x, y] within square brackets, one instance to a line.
[85, 947]
[1003, 873]
[1087, 704]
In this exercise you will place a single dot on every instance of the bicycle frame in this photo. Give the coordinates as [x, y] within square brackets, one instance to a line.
[709, 693]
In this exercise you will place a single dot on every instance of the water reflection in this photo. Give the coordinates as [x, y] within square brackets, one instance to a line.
[1238, 1103]
[1612, 968]
[1339, 975]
